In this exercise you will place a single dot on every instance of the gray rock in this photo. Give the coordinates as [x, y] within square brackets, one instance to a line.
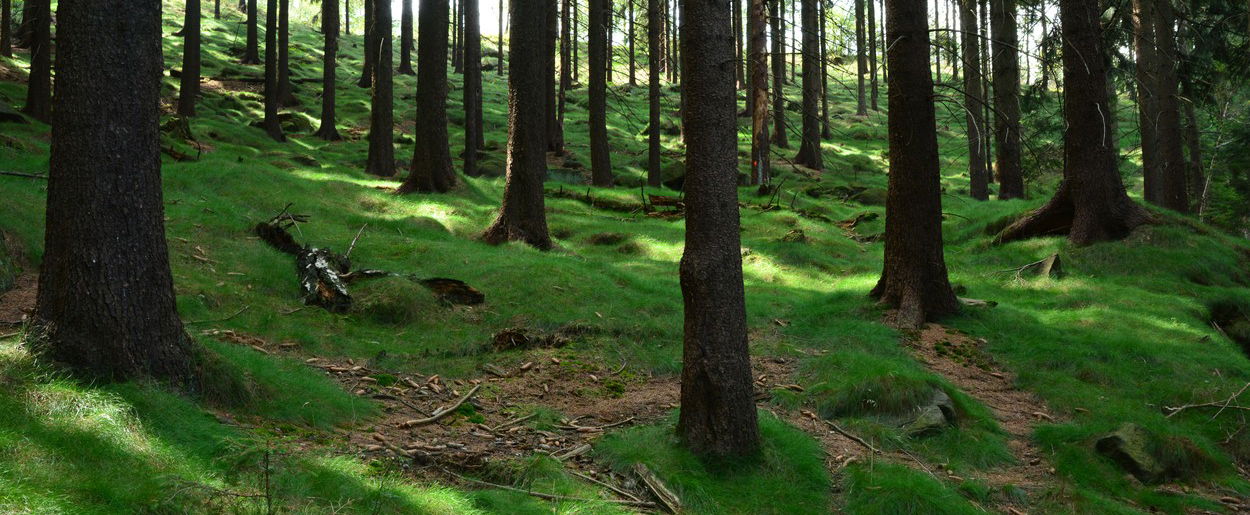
[1129, 447]
[933, 416]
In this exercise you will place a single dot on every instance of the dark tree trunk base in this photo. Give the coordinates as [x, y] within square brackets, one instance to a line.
[1060, 217]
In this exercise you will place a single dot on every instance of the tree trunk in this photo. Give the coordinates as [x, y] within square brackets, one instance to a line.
[566, 57]
[6, 25]
[522, 215]
[717, 397]
[286, 96]
[1147, 110]
[1091, 204]
[503, 7]
[39, 85]
[655, 33]
[271, 124]
[872, 55]
[405, 40]
[779, 136]
[24, 35]
[633, 61]
[216, 9]
[251, 55]
[1171, 156]
[987, 89]
[370, 50]
[979, 187]
[456, 7]
[576, 41]
[739, 51]
[189, 82]
[555, 131]
[825, 132]
[757, 23]
[609, 29]
[329, 28]
[106, 304]
[937, 42]
[861, 61]
[347, 17]
[473, 127]
[809, 148]
[599, 14]
[431, 160]
[913, 279]
[381, 158]
[1007, 98]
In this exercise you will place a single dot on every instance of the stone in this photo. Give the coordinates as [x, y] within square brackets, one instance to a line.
[933, 416]
[1129, 447]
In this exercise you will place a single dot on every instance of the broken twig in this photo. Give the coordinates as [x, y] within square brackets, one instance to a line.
[441, 412]
[547, 496]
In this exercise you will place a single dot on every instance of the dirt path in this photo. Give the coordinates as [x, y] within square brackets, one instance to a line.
[18, 302]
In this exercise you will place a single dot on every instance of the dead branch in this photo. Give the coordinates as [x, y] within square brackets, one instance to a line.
[1222, 405]
[667, 498]
[514, 421]
[23, 174]
[441, 412]
[353, 245]
[616, 489]
[547, 496]
[570, 426]
[231, 317]
[856, 439]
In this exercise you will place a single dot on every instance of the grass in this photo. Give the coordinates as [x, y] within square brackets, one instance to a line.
[1125, 333]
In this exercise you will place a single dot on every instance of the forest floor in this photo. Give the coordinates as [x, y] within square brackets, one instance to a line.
[573, 359]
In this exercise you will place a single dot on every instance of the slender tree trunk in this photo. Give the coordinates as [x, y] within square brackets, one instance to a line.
[431, 160]
[405, 39]
[914, 278]
[809, 148]
[473, 127]
[717, 397]
[106, 304]
[655, 34]
[189, 82]
[577, 62]
[861, 61]
[566, 56]
[600, 160]
[216, 9]
[872, 55]
[972, 102]
[794, 38]
[825, 132]
[456, 54]
[937, 42]
[370, 50]
[757, 22]
[330, 29]
[381, 158]
[286, 96]
[1171, 155]
[739, 54]
[555, 131]
[6, 26]
[779, 136]
[1007, 98]
[522, 215]
[503, 4]
[39, 84]
[1147, 72]
[987, 90]
[25, 35]
[271, 124]
[251, 55]
[347, 17]
[1043, 48]
[633, 61]
[1091, 204]
[610, 29]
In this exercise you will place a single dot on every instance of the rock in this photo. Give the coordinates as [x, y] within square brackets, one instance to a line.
[794, 236]
[8, 115]
[933, 416]
[871, 197]
[1129, 447]
[295, 123]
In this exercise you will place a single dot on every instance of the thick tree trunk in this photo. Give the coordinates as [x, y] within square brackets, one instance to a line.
[472, 86]
[286, 95]
[1007, 98]
[271, 124]
[717, 397]
[1147, 73]
[370, 50]
[809, 148]
[189, 82]
[1171, 156]
[106, 303]
[381, 158]
[431, 160]
[39, 84]
[861, 60]
[1091, 204]
[522, 215]
[655, 33]
[251, 54]
[405, 39]
[555, 131]
[599, 14]
[6, 28]
[330, 29]
[979, 187]
[757, 23]
[872, 56]
[780, 137]
[914, 277]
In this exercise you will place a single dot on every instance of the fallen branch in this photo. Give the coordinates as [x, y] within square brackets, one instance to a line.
[547, 496]
[441, 412]
[23, 174]
[236, 313]
[514, 421]
[1222, 405]
[618, 490]
[574, 427]
[9, 335]
[667, 498]
[854, 438]
[576, 451]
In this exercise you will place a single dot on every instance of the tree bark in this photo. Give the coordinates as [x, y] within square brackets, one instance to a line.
[1171, 155]
[979, 183]
[286, 96]
[431, 160]
[739, 50]
[655, 31]
[555, 131]
[347, 17]
[914, 278]
[780, 137]
[6, 26]
[872, 56]
[251, 55]
[473, 127]
[106, 303]
[522, 215]
[405, 41]
[370, 50]
[271, 124]
[39, 84]
[503, 7]
[825, 132]
[330, 29]
[718, 415]
[1091, 204]
[566, 57]
[1147, 73]
[633, 61]
[1007, 98]
[455, 36]
[757, 23]
[809, 148]
[381, 157]
[189, 82]
[599, 14]
[861, 60]
[24, 35]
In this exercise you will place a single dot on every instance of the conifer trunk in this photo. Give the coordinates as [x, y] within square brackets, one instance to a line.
[809, 148]
[271, 124]
[39, 82]
[757, 24]
[431, 170]
[251, 53]
[599, 14]
[655, 32]
[976, 129]
[405, 41]
[189, 82]
[779, 137]
[381, 157]
[330, 29]
[1007, 98]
